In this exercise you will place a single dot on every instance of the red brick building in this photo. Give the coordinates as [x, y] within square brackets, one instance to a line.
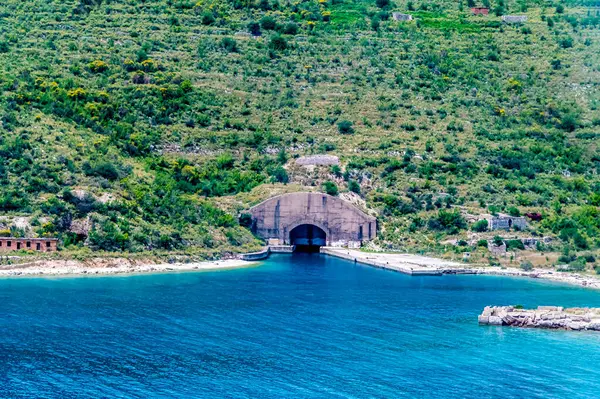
[28, 244]
[480, 10]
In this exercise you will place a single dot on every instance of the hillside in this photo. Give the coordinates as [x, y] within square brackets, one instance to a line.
[132, 125]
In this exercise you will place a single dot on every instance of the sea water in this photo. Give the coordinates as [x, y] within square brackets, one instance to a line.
[300, 326]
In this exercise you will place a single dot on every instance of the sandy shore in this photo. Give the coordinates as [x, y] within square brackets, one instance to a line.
[113, 266]
[427, 266]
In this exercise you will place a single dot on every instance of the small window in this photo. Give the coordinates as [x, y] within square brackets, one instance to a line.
[47, 244]
[360, 233]
[1, 243]
[28, 244]
[18, 245]
[324, 200]
[9, 243]
[370, 232]
[38, 246]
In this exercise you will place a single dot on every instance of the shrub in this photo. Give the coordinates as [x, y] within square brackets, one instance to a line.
[480, 226]
[208, 18]
[578, 265]
[526, 266]
[254, 28]
[482, 243]
[566, 42]
[515, 244]
[330, 188]
[375, 23]
[291, 28]
[230, 45]
[345, 127]
[514, 211]
[498, 241]
[97, 66]
[279, 175]
[354, 186]
[278, 43]
[450, 221]
[102, 169]
[268, 23]
[108, 236]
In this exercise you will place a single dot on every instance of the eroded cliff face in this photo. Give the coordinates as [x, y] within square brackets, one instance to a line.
[552, 317]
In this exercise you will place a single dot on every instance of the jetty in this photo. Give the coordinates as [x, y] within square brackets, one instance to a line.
[549, 317]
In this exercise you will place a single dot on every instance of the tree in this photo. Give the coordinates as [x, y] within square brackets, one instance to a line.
[382, 3]
[330, 188]
[560, 9]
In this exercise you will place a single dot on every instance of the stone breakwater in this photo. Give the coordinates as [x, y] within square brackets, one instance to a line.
[552, 317]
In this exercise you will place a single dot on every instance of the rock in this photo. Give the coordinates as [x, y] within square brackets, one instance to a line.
[318, 160]
[550, 317]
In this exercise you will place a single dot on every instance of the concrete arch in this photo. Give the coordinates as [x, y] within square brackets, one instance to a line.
[343, 223]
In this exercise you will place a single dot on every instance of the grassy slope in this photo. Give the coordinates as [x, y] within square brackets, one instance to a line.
[452, 104]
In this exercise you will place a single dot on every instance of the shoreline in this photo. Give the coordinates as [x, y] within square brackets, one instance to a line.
[66, 268]
[418, 265]
[410, 264]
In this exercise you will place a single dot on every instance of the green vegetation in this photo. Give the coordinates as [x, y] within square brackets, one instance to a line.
[526, 266]
[159, 122]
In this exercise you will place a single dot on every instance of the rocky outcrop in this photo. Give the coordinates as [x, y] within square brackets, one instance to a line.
[552, 317]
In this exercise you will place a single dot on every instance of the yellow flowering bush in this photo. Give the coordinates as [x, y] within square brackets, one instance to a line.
[98, 66]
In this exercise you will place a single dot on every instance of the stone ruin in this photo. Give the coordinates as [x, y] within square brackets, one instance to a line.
[514, 19]
[318, 160]
[401, 17]
[506, 222]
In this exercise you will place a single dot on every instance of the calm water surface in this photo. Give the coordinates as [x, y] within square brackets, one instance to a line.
[301, 326]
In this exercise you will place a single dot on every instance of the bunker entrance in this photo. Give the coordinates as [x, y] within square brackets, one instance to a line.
[308, 238]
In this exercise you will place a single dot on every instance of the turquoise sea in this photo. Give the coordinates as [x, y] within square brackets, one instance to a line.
[301, 326]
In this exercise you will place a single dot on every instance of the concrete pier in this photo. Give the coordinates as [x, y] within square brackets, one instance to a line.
[414, 265]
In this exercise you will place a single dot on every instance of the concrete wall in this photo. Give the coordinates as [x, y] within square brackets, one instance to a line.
[341, 221]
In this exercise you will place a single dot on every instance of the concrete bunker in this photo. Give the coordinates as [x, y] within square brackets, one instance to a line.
[312, 220]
